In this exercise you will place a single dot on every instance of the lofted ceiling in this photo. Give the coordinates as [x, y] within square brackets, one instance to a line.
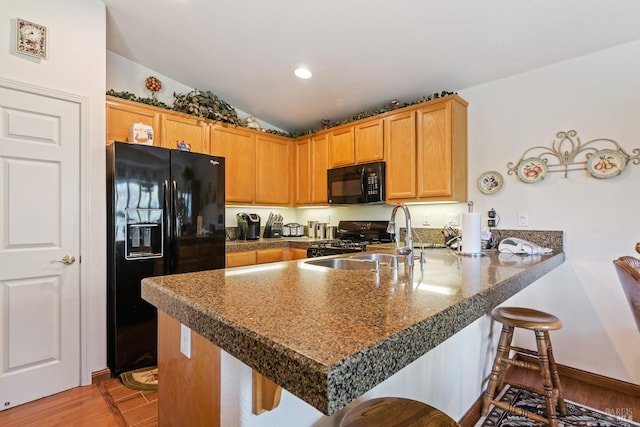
[362, 53]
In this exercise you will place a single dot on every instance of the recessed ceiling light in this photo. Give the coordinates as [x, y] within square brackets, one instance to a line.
[302, 73]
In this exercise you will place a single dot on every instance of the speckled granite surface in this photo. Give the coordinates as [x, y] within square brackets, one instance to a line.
[329, 335]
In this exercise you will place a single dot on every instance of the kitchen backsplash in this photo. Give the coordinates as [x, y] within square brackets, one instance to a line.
[545, 238]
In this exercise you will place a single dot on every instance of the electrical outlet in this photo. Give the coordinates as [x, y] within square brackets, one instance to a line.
[185, 340]
[425, 220]
[453, 219]
[523, 219]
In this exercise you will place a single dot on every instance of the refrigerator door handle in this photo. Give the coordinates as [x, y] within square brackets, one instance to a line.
[177, 225]
[168, 225]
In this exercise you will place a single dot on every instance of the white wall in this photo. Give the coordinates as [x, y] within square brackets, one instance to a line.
[75, 64]
[596, 95]
[124, 75]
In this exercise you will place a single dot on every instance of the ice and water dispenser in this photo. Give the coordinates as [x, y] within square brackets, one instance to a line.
[145, 233]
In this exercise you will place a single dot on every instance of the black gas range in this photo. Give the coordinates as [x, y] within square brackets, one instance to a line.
[352, 236]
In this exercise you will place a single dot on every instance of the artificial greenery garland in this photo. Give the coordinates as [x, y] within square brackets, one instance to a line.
[207, 105]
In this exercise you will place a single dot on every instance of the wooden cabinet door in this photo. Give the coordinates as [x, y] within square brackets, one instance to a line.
[303, 172]
[342, 147]
[369, 141]
[434, 151]
[400, 142]
[272, 169]
[269, 255]
[120, 116]
[319, 166]
[237, 146]
[193, 131]
[294, 253]
[237, 259]
[442, 151]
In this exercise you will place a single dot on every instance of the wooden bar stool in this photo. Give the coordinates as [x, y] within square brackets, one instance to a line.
[540, 323]
[395, 412]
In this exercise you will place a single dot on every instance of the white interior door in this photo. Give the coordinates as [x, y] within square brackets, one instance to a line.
[39, 226]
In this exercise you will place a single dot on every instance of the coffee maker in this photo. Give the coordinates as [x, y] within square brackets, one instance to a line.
[248, 226]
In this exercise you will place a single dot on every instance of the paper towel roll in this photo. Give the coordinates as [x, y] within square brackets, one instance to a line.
[471, 233]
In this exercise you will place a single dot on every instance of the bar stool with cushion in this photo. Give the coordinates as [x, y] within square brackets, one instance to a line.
[540, 323]
[395, 412]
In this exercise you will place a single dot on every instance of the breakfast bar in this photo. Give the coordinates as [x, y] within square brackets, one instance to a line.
[329, 335]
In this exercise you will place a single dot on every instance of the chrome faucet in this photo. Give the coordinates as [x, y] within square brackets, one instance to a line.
[408, 241]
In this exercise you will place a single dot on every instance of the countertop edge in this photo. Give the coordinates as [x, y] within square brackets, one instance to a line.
[330, 388]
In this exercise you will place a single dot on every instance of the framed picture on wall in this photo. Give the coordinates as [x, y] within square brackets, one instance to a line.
[31, 39]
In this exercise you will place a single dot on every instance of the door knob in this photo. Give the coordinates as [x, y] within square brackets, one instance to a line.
[66, 260]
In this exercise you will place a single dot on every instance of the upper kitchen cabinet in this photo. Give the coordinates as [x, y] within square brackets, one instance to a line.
[319, 166]
[369, 141]
[426, 152]
[176, 128]
[302, 193]
[273, 169]
[442, 151]
[341, 146]
[312, 161]
[237, 146]
[360, 143]
[121, 114]
[400, 138]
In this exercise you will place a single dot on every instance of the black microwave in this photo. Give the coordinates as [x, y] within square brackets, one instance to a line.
[357, 184]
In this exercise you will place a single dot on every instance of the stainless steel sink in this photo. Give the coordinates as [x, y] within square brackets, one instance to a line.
[343, 263]
[382, 258]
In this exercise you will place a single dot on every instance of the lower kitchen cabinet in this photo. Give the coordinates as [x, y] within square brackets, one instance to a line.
[262, 256]
[294, 253]
[237, 259]
[270, 255]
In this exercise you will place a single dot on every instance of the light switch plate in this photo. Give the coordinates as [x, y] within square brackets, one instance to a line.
[185, 340]
[523, 219]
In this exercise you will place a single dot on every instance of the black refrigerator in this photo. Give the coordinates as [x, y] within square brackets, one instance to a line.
[165, 215]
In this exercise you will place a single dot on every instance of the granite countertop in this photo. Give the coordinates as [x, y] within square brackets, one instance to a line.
[266, 243]
[329, 335]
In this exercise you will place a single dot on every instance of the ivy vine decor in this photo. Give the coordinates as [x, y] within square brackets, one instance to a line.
[205, 104]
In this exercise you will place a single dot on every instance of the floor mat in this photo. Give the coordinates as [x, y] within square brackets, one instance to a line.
[141, 379]
[577, 415]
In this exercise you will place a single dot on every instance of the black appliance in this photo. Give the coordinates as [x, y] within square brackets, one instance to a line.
[353, 236]
[358, 184]
[165, 214]
[248, 226]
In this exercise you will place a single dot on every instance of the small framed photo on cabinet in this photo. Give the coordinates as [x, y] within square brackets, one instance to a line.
[31, 39]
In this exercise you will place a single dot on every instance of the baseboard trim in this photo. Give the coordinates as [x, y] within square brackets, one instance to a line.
[593, 379]
[471, 417]
[101, 375]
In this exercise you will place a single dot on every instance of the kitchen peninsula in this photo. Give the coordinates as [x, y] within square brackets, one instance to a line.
[329, 335]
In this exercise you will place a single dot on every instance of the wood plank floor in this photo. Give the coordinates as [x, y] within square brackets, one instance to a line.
[109, 403]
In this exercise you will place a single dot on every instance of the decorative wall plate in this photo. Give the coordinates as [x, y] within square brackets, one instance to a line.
[31, 39]
[532, 170]
[606, 163]
[490, 182]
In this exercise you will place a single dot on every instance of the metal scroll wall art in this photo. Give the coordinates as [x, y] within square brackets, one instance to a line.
[602, 158]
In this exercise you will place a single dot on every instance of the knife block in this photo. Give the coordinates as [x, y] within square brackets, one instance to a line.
[270, 232]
